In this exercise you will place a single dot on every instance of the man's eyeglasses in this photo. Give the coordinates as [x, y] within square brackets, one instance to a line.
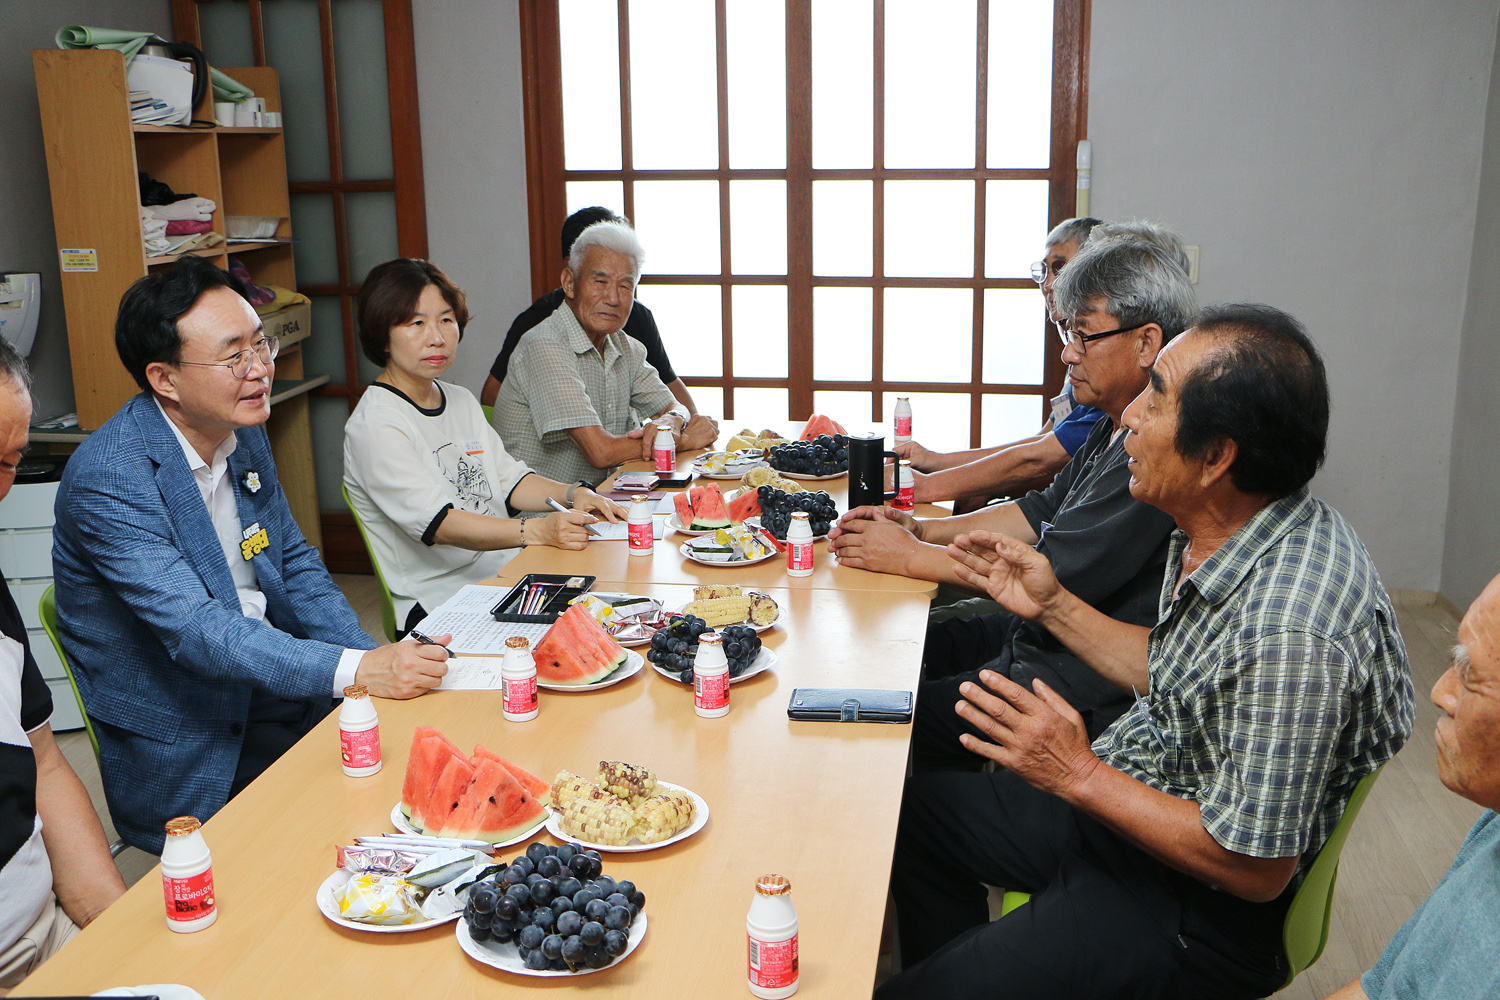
[1080, 341]
[265, 349]
[1040, 269]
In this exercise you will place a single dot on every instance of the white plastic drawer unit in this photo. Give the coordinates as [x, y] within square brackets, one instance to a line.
[26, 561]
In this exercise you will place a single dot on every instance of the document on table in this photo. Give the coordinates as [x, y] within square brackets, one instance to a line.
[467, 615]
[619, 531]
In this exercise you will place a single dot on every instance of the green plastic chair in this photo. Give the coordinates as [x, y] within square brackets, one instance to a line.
[49, 622]
[387, 605]
[489, 413]
[1305, 932]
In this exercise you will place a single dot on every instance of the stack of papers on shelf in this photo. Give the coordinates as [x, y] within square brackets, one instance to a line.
[192, 241]
[145, 109]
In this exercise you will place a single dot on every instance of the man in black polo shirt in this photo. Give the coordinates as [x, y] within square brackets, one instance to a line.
[55, 870]
[640, 325]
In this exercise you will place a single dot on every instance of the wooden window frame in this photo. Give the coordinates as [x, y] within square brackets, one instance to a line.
[547, 178]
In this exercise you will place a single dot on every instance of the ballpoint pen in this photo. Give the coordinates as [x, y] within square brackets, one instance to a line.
[424, 640]
[559, 507]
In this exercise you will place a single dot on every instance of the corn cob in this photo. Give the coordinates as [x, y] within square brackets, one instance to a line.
[663, 816]
[568, 785]
[630, 782]
[602, 820]
[709, 592]
[763, 609]
[720, 610]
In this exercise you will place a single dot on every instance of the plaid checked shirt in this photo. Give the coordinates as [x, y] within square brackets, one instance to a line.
[1278, 680]
[557, 380]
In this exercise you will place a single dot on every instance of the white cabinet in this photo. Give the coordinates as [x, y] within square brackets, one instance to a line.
[26, 559]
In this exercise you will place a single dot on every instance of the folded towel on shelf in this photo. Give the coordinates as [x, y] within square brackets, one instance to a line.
[153, 233]
[181, 227]
[284, 297]
[191, 209]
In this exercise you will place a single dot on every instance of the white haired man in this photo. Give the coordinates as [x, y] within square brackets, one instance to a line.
[578, 386]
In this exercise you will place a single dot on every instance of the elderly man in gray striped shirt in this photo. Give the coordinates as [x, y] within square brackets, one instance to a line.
[1163, 857]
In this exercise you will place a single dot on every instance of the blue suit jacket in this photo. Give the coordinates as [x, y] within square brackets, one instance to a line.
[164, 658]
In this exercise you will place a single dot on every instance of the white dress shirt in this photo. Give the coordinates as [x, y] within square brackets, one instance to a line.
[223, 510]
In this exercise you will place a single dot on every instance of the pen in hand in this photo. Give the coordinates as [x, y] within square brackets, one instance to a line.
[559, 507]
[424, 640]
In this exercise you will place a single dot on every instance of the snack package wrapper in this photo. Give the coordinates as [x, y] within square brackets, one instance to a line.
[375, 898]
[385, 859]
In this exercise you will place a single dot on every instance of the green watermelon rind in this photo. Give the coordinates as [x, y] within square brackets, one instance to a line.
[709, 510]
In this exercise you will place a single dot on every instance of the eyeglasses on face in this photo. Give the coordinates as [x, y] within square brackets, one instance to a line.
[1041, 268]
[1080, 341]
[265, 349]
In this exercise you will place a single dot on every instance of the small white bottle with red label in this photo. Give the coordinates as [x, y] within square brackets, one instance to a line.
[799, 545]
[711, 677]
[906, 487]
[187, 877]
[903, 420]
[359, 732]
[664, 448]
[772, 932]
[518, 681]
[641, 527]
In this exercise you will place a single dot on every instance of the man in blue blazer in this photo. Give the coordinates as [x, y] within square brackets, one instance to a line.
[206, 635]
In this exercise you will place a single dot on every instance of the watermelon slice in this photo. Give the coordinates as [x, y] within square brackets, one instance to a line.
[577, 650]
[819, 424]
[451, 786]
[539, 789]
[430, 751]
[684, 509]
[495, 807]
[747, 504]
[708, 508]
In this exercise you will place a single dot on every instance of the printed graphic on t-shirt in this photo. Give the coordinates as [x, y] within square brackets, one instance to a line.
[466, 473]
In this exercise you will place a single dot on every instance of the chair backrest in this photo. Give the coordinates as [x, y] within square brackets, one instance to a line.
[1305, 931]
[387, 606]
[49, 622]
[489, 413]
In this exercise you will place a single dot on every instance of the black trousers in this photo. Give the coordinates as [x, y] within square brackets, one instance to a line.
[274, 726]
[1105, 919]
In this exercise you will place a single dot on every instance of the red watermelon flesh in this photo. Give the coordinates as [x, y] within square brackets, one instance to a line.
[539, 789]
[424, 765]
[574, 653]
[684, 509]
[495, 807]
[451, 786]
[747, 504]
[819, 424]
[708, 508]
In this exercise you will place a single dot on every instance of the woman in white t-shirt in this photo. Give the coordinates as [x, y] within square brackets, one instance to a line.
[424, 470]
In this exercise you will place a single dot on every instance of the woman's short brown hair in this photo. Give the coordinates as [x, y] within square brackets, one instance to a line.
[388, 299]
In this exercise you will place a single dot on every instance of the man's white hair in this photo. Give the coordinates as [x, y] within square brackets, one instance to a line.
[616, 236]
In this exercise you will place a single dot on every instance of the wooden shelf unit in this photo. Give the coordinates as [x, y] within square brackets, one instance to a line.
[94, 152]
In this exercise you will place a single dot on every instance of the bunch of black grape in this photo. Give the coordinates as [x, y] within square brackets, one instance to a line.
[675, 647]
[822, 456]
[558, 907]
[776, 508]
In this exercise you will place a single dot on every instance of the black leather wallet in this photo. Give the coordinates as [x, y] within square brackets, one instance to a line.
[849, 705]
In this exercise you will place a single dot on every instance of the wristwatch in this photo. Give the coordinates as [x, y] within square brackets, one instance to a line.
[568, 498]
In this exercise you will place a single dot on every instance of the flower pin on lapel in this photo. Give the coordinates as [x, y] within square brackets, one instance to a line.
[252, 482]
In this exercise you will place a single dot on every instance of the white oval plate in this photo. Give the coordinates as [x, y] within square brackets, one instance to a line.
[732, 471]
[633, 663]
[506, 958]
[687, 552]
[764, 660]
[757, 524]
[554, 826]
[780, 613]
[403, 825]
[329, 907]
[803, 477]
[676, 526]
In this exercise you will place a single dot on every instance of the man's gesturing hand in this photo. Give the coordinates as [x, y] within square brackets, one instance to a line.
[1038, 736]
[1016, 575]
[404, 669]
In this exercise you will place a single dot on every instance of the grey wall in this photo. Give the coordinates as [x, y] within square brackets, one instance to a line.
[1327, 158]
[1472, 553]
[474, 162]
[27, 242]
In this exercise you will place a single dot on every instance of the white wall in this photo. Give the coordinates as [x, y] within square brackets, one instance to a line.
[1326, 157]
[474, 162]
[1472, 554]
[27, 239]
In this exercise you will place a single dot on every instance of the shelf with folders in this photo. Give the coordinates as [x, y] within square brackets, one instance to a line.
[94, 156]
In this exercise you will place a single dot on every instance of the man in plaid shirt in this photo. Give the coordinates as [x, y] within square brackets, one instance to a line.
[1162, 858]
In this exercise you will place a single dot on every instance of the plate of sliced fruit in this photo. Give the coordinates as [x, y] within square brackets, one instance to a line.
[627, 811]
